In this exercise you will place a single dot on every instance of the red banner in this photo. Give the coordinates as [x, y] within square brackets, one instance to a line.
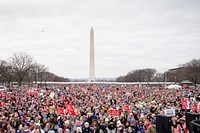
[70, 109]
[194, 107]
[114, 112]
[126, 108]
[61, 111]
[1, 104]
[184, 104]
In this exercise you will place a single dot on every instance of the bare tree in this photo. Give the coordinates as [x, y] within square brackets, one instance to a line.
[6, 73]
[159, 77]
[21, 64]
[21, 68]
[2, 70]
[140, 75]
[37, 71]
[192, 70]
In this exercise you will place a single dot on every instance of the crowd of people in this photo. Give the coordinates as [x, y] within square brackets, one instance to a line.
[94, 108]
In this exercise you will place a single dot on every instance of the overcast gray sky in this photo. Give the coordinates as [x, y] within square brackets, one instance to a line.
[129, 34]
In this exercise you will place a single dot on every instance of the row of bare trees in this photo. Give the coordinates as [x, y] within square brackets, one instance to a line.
[21, 68]
[188, 71]
[140, 75]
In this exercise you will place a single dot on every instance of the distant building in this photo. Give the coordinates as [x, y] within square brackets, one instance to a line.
[174, 75]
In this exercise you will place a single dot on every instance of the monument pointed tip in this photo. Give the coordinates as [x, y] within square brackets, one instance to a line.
[91, 28]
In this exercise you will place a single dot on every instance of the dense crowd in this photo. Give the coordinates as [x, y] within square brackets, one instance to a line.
[93, 108]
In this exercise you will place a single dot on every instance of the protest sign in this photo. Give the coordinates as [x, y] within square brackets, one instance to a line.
[184, 104]
[194, 107]
[70, 109]
[52, 95]
[61, 111]
[1, 104]
[188, 104]
[31, 92]
[114, 112]
[170, 112]
[126, 108]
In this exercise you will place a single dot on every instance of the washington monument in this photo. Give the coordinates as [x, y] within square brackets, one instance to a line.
[92, 61]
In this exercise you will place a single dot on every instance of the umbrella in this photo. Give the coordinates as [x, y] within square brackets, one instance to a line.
[186, 82]
[174, 87]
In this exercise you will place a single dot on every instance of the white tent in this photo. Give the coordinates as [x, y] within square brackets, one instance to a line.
[174, 87]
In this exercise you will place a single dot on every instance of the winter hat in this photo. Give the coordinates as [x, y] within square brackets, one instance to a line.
[106, 120]
[87, 123]
[60, 129]
[95, 117]
[59, 125]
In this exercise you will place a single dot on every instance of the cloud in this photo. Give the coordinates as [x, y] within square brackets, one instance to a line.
[128, 34]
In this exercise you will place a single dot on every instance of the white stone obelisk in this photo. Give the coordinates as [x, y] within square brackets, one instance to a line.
[92, 60]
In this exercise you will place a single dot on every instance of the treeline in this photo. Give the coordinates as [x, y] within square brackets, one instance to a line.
[21, 68]
[187, 71]
[141, 75]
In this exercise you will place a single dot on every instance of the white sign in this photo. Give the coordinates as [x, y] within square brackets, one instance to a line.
[170, 112]
[52, 95]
